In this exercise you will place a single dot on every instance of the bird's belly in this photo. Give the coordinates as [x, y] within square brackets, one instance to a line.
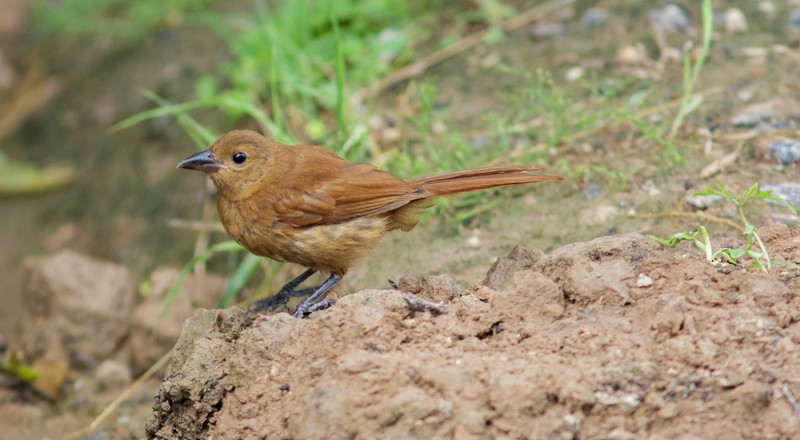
[329, 248]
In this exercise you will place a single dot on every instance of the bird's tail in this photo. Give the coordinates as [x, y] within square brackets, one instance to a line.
[481, 178]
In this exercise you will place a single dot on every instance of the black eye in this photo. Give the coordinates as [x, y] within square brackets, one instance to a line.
[239, 157]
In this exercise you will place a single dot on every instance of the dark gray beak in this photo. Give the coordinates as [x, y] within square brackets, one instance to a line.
[203, 161]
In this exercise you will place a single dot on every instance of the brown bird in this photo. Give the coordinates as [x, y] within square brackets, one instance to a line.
[305, 205]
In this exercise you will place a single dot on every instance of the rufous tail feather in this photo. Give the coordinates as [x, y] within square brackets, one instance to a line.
[477, 179]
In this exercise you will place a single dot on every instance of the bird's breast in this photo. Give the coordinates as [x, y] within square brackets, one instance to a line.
[329, 248]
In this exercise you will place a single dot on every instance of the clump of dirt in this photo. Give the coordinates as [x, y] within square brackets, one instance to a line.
[611, 338]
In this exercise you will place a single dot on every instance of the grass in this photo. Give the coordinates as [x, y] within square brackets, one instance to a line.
[292, 73]
[290, 68]
[293, 68]
[115, 18]
[691, 70]
[753, 247]
[297, 59]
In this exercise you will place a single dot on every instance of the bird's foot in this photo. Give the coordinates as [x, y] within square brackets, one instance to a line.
[279, 300]
[303, 311]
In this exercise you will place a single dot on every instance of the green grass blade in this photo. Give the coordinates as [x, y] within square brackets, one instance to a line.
[243, 274]
[340, 72]
[201, 136]
[172, 293]
[165, 110]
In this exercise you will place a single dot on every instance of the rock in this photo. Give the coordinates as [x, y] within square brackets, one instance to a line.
[111, 374]
[152, 337]
[671, 18]
[594, 17]
[767, 7]
[82, 303]
[439, 288]
[643, 280]
[591, 191]
[749, 119]
[788, 191]
[629, 54]
[544, 29]
[794, 20]
[574, 73]
[595, 271]
[701, 202]
[733, 20]
[519, 258]
[785, 152]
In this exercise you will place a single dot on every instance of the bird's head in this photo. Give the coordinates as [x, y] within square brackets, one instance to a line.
[240, 162]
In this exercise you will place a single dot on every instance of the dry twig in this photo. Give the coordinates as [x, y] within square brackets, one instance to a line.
[792, 401]
[417, 304]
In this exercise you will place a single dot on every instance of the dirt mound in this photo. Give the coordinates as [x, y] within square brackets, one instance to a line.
[612, 338]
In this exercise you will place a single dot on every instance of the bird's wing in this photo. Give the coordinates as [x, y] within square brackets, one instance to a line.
[333, 190]
[370, 191]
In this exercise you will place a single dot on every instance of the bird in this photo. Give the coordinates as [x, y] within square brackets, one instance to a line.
[303, 204]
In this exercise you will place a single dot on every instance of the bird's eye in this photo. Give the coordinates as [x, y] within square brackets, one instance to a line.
[239, 157]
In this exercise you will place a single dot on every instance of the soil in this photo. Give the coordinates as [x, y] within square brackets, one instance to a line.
[612, 337]
[566, 345]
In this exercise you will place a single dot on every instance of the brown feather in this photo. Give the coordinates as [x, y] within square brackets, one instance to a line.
[481, 178]
[305, 205]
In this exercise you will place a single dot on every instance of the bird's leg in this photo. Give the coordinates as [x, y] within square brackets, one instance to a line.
[303, 308]
[288, 291]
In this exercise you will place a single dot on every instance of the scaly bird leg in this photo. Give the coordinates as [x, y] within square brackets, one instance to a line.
[282, 297]
[305, 307]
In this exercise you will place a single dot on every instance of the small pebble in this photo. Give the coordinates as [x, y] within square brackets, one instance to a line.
[594, 17]
[671, 18]
[643, 280]
[592, 191]
[755, 52]
[547, 29]
[389, 38]
[733, 20]
[788, 191]
[794, 20]
[631, 54]
[731, 380]
[574, 74]
[479, 142]
[111, 374]
[766, 7]
[785, 152]
[750, 119]
[784, 124]
[668, 411]
[701, 202]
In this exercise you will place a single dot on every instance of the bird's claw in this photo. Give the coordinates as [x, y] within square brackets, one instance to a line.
[270, 303]
[303, 311]
[280, 299]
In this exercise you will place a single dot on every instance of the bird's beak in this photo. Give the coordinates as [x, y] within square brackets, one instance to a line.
[203, 161]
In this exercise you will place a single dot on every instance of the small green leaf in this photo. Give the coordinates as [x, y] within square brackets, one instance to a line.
[676, 238]
[752, 191]
[729, 255]
[754, 254]
[709, 192]
[724, 192]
